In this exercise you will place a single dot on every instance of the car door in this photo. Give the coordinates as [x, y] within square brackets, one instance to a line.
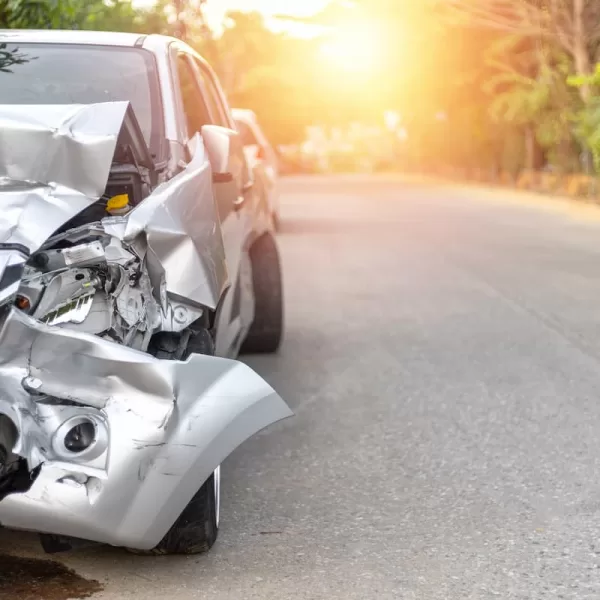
[254, 155]
[250, 144]
[236, 312]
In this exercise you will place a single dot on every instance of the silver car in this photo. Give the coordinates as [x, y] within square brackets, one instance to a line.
[135, 264]
[262, 159]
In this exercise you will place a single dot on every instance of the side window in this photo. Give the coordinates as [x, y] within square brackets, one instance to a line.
[213, 97]
[196, 112]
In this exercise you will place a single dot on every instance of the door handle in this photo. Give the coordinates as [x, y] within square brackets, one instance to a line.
[222, 177]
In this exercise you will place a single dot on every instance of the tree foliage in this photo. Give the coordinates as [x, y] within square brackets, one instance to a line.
[516, 79]
[39, 14]
[541, 57]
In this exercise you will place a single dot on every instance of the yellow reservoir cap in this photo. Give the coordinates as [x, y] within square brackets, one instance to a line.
[117, 202]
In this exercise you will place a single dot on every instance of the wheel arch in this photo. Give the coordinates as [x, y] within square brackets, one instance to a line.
[204, 436]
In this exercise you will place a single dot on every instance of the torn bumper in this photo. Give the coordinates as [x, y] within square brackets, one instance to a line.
[162, 427]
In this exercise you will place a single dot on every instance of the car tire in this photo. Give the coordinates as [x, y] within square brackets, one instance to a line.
[266, 331]
[167, 346]
[197, 528]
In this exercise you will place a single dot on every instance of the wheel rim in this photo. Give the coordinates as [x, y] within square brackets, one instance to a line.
[217, 487]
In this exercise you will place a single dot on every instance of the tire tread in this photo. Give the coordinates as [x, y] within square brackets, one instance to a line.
[266, 332]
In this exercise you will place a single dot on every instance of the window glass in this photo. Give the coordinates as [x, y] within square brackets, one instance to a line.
[193, 103]
[72, 74]
[217, 110]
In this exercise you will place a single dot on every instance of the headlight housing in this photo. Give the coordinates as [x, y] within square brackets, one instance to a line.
[12, 263]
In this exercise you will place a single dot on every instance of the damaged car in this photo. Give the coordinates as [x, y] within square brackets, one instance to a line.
[262, 158]
[135, 265]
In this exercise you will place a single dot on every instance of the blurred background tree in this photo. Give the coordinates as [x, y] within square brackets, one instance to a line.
[475, 84]
[42, 14]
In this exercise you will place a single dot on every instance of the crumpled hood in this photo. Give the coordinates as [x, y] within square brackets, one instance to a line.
[54, 162]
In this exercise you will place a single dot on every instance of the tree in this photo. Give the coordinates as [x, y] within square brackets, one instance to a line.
[110, 15]
[587, 119]
[38, 14]
[527, 91]
[116, 15]
[571, 25]
[270, 73]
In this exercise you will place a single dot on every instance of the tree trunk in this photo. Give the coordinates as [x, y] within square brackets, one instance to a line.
[580, 49]
[529, 149]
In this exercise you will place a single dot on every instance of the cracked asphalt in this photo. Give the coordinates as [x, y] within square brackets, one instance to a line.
[442, 356]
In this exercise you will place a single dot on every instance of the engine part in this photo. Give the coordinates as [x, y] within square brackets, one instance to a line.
[81, 255]
[62, 293]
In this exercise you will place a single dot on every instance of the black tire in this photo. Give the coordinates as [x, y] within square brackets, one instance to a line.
[167, 345]
[266, 332]
[197, 528]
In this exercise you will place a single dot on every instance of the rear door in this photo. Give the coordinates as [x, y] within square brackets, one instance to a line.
[262, 181]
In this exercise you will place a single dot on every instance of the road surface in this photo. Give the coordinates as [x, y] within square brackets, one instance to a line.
[443, 361]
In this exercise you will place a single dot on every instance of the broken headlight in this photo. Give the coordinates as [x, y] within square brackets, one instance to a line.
[12, 264]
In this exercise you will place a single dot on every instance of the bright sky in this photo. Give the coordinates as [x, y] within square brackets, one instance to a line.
[215, 11]
[217, 8]
[356, 47]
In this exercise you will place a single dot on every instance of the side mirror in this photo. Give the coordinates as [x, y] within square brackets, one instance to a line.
[219, 143]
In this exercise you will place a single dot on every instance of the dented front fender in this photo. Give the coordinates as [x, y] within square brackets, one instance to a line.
[164, 426]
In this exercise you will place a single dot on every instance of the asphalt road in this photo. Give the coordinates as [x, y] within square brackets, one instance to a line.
[442, 359]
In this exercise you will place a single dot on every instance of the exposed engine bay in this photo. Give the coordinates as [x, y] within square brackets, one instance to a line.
[88, 278]
[89, 281]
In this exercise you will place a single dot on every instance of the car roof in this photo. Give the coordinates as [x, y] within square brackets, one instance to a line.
[153, 42]
[93, 38]
[44, 36]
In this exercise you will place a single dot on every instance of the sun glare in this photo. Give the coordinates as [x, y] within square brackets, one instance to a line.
[353, 48]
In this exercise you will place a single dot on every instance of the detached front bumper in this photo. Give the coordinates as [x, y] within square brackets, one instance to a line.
[161, 428]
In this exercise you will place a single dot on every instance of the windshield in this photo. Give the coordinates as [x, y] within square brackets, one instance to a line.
[71, 74]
